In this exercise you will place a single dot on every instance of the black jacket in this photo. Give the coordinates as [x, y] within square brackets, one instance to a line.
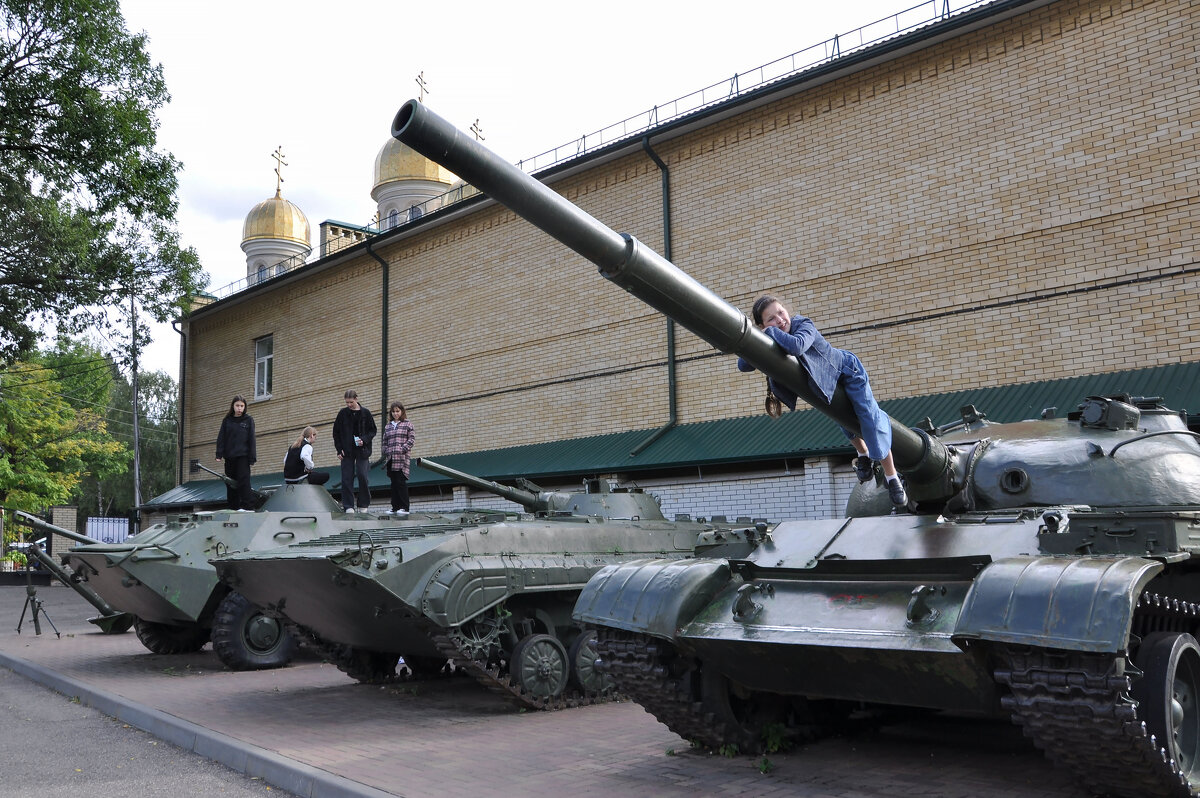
[236, 438]
[350, 423]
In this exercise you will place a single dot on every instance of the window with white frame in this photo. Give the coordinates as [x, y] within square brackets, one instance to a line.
[264, 355]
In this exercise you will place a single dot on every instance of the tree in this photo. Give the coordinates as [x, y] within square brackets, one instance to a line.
[89, 380]
[86, 203]
[46, 445]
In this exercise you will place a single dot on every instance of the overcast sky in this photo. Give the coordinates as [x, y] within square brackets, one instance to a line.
[324, 80]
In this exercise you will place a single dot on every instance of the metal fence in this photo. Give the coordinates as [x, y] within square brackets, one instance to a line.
[108, 530]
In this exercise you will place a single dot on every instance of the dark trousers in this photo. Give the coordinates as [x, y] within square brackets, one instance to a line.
[399, 490]
[238, 469]
[352, 467]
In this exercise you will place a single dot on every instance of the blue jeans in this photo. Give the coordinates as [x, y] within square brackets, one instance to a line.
[876, 427]
[352, 467]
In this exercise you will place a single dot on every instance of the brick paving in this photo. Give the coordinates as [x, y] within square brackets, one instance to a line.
[311, 730]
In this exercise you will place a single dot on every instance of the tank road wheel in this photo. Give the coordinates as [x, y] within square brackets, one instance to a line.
[741, 717]
[169, 638]
[368, 667]
[582, 656]
[245, 639]
[1168, 697]
[424, 667]
[539, 666]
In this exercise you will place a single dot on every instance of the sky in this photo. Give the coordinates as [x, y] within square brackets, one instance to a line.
[323, 81]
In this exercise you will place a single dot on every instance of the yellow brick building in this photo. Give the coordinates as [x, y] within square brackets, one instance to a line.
[1004, 196]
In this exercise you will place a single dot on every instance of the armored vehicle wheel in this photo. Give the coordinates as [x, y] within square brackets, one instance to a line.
[425, 666]
[582, 656]
[539, 665]
[166, 638]
[1168, 697]
[368, 667]
[245, 639]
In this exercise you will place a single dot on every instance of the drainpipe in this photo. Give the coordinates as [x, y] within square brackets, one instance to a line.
[673, 417]
[383, 370]
[182, 404]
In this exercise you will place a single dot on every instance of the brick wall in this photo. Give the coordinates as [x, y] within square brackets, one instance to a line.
[1016, 203]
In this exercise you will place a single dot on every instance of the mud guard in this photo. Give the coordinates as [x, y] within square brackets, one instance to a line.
[1072, 603]
[654, 597]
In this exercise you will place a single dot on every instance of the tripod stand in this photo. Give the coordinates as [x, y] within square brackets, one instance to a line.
[32, 602]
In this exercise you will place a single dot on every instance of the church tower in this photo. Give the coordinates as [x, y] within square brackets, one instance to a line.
[276, 234]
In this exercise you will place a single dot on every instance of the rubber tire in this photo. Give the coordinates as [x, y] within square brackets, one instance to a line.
[168, 638]
[582, 655]
[539, 665]
[236, 625]
[1168, 696]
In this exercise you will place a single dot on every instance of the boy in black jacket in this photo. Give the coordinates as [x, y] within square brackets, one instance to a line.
[353, 431]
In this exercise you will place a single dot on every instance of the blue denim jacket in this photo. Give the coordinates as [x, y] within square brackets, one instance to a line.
[822, 361]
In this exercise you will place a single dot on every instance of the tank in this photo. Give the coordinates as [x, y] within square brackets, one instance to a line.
[162, 579]
[492, 596]
[1044, 572]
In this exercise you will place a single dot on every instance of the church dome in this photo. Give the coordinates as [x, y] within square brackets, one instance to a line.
[396, 162]
[277, 219]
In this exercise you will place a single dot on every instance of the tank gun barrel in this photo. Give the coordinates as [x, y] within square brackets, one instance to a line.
[111, 619]
[230, 481]
[622, 259]
[527, 499]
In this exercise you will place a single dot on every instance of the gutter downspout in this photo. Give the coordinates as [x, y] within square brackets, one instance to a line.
[383, 367]
[673, 417]
[182, 403]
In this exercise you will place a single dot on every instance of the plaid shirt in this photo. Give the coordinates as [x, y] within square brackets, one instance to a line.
[398, 439]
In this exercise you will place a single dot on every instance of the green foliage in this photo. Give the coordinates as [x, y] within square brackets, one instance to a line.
[729, 750]
[46, 445]
[765, 766]
[86, 203]
[775, 737]
[91, 380]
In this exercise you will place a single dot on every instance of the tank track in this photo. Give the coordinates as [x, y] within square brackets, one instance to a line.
[343, 657]
[642, 670]
[1075, 706]
[491, 677]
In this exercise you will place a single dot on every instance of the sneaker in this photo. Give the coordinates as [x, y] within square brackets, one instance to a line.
[896, 493]
[864, 468]
[400, 512]
[347, 509]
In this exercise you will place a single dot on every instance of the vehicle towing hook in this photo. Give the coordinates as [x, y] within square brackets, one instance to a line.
[919, 611]
[744, 606]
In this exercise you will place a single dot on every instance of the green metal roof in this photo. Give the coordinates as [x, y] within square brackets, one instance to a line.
[754, 438]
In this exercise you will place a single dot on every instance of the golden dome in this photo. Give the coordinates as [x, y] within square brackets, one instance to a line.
[276, 218]
[397, 161]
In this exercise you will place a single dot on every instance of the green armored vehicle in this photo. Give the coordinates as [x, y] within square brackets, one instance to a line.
[163, 579]
[1047, 572]
[492, 595]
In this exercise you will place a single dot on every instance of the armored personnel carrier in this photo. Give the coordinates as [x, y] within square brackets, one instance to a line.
[1046, 573]
[492, 595]
[162, 578]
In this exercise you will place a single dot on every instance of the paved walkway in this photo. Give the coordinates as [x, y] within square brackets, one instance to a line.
[310, 730]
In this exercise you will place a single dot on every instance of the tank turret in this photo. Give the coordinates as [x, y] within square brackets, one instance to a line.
[598, 499]
[1048, 574]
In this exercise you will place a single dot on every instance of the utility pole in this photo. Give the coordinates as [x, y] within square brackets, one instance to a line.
[137, 449]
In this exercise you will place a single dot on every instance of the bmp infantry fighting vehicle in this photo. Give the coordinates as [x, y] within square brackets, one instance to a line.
[491, 595]
[162, 576]
[1047, 571]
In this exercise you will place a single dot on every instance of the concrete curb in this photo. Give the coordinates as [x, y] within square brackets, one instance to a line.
[275, 769]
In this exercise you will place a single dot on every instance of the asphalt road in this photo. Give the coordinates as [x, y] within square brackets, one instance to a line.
[53, 746]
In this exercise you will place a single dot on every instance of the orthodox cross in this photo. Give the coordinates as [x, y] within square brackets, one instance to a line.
[278, 156]
[477, 130]
[423, 87]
